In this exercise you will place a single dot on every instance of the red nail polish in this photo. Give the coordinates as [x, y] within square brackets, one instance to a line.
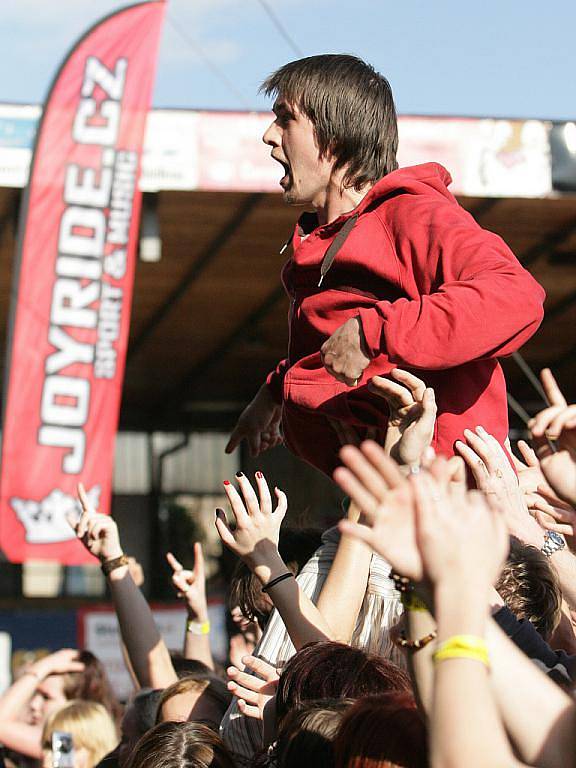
[226, 482]
[259, 475]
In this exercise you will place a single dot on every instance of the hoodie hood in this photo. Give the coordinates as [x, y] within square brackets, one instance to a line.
[425, 179]
[430, 179]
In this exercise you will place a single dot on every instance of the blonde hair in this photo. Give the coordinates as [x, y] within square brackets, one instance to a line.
[90, 725]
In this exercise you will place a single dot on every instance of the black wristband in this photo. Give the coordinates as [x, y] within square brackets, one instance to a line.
[277, 580]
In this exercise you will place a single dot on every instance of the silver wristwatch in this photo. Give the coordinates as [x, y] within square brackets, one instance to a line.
[553, 542]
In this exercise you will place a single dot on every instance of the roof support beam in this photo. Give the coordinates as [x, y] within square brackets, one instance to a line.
[199, 265]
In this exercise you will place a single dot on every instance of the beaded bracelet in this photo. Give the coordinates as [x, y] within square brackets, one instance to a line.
[402, 583]
[414, 645]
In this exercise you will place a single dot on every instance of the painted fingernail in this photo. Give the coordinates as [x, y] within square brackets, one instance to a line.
[239, 474]
[481, 430]
[226, 482]
[259, 475]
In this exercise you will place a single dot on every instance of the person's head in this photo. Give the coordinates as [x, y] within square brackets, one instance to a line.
[91, 684]
[185, 667]
[139, 717]
[92, 728]
[48, 697]
[333, 671]
[296, 546]
[334, 113]
[308, 734]
[180, 745]
[384, 731]
[529, 586]
[198, 699]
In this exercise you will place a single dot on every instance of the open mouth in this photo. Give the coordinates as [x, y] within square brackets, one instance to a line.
[285, 180]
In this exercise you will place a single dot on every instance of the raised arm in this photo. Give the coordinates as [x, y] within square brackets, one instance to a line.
[343, 591]
[146, 649]
[542, 735]
[191, 587]
[14, 733]
[255, 541]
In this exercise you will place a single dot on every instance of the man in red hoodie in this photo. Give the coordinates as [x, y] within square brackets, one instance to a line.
[387, 271]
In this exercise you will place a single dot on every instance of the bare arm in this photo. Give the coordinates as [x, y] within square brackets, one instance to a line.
[15, 734]
[343, 591]
[255, 540]
[544, 734]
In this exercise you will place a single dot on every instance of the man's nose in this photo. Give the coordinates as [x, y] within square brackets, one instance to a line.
[271, 135]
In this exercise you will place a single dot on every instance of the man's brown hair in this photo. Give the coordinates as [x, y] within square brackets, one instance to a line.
[351, 108]
[529, 586]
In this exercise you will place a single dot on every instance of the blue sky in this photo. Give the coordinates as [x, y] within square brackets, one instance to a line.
[498, 58]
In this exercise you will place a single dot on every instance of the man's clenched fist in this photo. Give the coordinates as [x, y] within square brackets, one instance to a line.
[344, 355]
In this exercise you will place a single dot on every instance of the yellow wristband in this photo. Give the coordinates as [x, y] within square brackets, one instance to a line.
[412, 602]
[198, 627]
[463, 647]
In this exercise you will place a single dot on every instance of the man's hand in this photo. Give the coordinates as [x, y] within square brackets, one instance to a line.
[259, 424]
[412, 415]
[344, 355]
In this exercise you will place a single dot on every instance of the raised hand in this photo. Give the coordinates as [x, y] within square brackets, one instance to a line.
[98, 533]
[58, 663]
[375, 484]
[255, 537]
[412, 415]
[495, 477]
[461, 540]
[259, 424]
[556, 423]
[191, 585]
[255, 694]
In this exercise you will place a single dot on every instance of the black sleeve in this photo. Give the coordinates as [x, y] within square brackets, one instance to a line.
[558, 665]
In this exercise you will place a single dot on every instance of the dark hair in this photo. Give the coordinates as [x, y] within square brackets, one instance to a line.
[186, 667]
[296, 547]
[146, 704]
[529, 586]
[330, 670]
[308, 734]
[351, 108]
[92, 684]
[383, 731]
[180, 745]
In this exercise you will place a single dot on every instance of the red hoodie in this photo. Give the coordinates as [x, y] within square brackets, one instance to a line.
[436, 294]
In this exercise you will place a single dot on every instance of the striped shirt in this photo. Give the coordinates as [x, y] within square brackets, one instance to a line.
[381, 610]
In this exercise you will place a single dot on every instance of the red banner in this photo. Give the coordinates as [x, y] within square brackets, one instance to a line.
[73, 286]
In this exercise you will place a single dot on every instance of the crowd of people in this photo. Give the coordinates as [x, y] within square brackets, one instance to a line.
[433, 626]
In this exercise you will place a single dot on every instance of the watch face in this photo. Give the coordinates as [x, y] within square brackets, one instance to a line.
[556, 538]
